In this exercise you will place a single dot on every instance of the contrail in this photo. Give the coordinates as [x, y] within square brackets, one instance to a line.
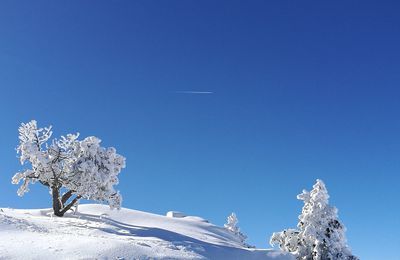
[194, 92]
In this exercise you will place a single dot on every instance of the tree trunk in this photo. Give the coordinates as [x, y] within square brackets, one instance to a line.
[57, 205]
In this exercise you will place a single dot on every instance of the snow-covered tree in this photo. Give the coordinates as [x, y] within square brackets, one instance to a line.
[78, 168]
[320, 234]
[231, 225]
[288, 240]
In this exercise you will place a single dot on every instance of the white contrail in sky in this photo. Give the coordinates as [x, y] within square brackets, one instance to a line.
[194, 92]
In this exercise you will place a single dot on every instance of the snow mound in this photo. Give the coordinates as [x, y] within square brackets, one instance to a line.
[96, 232]
[175, 214]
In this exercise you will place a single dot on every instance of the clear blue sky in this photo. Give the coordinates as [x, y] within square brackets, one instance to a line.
[301, 90]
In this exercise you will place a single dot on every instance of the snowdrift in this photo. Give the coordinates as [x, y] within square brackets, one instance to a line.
[96, 232]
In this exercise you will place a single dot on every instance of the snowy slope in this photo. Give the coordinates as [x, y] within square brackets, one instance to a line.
[99, 233]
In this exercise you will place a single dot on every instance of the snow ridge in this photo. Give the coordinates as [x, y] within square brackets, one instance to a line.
[96, 232]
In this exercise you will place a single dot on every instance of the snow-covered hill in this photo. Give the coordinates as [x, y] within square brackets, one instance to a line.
[96, 232]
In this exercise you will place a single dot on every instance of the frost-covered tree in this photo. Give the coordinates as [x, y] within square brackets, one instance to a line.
[231, 225]
[72, 169]
[320, 234]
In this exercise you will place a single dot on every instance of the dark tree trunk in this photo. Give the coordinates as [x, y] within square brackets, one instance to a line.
[59, 204]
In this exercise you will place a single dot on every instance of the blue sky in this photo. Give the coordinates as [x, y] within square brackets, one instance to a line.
[300, 90]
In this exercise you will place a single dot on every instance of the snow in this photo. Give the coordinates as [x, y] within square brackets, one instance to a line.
[96, 232]
[175, 214]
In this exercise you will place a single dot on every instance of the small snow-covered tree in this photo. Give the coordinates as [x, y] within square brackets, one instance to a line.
[80, 168]
[231, 225]
[320, 234]
[288, 240]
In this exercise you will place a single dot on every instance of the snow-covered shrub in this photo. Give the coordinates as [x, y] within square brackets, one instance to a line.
[288, 240]
[320, 234]
[81, 168]
[231, 225]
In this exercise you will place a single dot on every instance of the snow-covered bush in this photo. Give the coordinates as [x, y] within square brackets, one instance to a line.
[81, 168]
[231, 225]
[288, 240]
[320, 234]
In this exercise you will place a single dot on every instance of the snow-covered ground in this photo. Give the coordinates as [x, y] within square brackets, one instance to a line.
[96, 232]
